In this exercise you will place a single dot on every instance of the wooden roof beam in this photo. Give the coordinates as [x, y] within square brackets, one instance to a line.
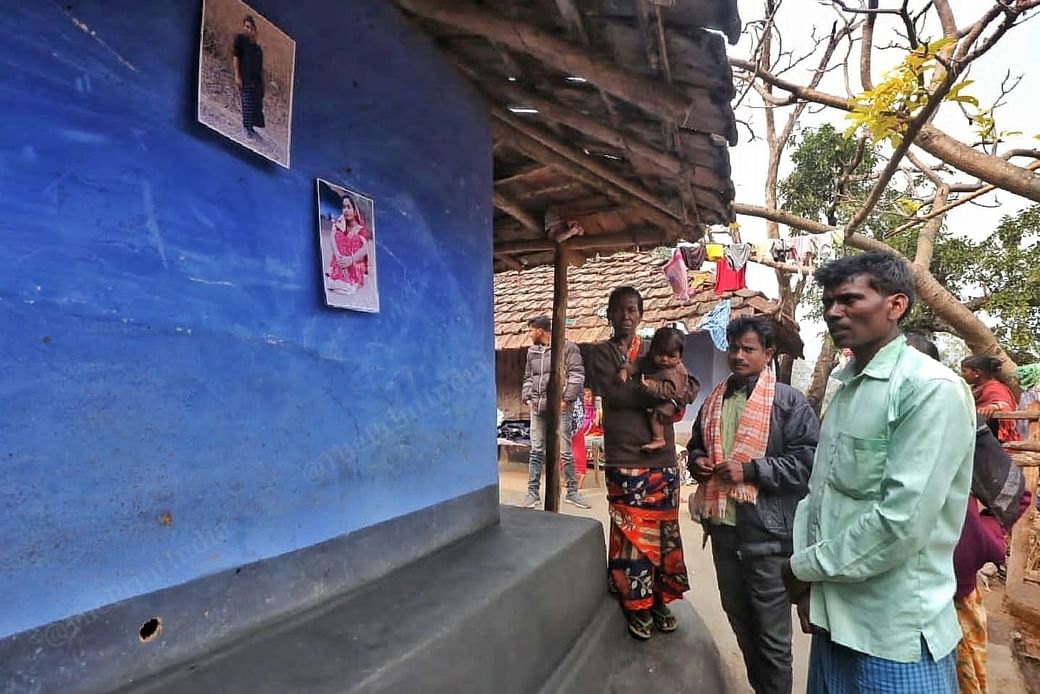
[586, 162]
[510, 262]
[537, 170]
[537, 151]
[518, 213]
[570, 13]
[587, 125]
[626, 239]
[653, 96]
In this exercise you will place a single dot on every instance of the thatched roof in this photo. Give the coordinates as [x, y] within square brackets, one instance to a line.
[615, 113]
[520, 296]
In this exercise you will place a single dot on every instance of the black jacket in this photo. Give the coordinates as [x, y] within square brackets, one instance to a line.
[535, 389]
[782, 476]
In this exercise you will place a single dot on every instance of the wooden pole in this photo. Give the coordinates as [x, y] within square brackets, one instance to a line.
[557, 382]
[1016, 570]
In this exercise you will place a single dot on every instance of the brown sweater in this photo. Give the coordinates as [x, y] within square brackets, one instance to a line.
[664, 384]
[625, 424]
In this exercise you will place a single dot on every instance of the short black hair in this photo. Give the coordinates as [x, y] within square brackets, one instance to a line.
[888, 274]
[986, 365]
[668, 341]
[620, 293]
[542, 322]
[923, 344]
[763, 326]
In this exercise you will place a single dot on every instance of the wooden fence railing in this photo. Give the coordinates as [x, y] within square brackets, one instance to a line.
[1023, 572]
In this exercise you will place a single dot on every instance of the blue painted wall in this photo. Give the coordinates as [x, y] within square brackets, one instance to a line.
[176, 400]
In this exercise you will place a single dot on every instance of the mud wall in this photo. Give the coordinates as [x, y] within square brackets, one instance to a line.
[176, 398]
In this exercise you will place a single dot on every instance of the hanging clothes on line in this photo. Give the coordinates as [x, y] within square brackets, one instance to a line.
[762, 249]
[714, 251]
[701, 279]
[806, 249]
[781, 250]
[693, 255]
[727, 279]
[715, 324]
[737, 256]
[675, 272]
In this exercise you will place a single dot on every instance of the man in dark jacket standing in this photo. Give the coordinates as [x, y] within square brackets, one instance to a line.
[751, 450]
[535, 394]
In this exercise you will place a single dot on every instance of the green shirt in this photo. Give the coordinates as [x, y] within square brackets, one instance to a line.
[732, 408]
[887, 497]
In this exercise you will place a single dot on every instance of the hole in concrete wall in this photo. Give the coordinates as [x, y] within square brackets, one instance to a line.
[150, 629]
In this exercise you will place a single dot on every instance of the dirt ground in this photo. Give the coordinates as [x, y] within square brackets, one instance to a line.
[1004, 674]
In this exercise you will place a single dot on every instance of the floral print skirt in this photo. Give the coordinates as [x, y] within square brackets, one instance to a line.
[645, 553]
[971, 651]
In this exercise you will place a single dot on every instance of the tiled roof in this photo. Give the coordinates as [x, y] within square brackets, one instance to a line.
[519, 296]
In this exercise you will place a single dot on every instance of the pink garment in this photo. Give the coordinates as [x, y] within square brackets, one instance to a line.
[805, 248]
[348, 244]
[675, 271]
[581, 459]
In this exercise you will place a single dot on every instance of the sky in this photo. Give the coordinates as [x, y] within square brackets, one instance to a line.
[1016, 52]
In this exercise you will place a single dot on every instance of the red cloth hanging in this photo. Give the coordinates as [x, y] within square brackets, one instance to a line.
[728, 280]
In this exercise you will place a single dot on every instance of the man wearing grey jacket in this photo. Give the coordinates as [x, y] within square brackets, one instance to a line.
[535, 394]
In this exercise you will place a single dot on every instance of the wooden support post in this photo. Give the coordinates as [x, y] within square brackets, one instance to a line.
[554, 419]
[1016, 570]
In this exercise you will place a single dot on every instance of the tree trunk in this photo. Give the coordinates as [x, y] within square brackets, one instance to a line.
[821, 373]
[785, 369]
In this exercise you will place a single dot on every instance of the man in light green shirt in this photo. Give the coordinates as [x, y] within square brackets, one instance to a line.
[872, 570]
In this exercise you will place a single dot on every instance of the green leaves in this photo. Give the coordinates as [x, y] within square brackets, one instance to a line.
[884, 111]
[955, 94]
[1004, 267]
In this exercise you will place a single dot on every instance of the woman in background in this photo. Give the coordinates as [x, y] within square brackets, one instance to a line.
[991, 396]
[584, 416]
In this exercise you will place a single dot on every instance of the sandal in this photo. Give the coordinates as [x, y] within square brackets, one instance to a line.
[640, 628]
[664, 619]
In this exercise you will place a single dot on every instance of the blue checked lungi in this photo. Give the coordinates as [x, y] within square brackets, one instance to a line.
[835, 669]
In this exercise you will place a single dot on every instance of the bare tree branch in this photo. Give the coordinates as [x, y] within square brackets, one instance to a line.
[926, 239]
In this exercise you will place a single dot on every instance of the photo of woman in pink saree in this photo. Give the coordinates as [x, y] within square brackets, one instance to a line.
[346, 230]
